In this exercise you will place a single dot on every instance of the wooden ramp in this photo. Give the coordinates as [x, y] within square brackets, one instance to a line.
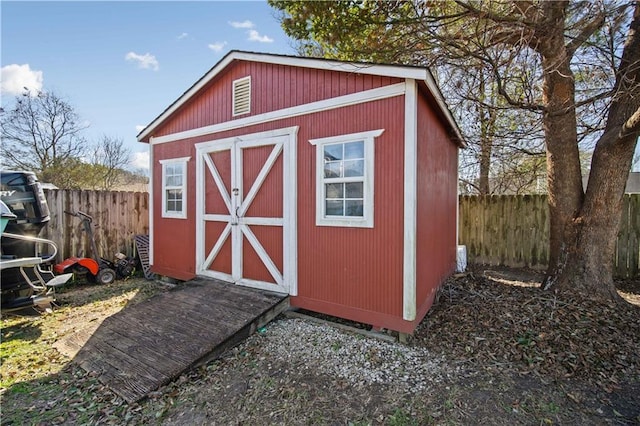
[144, 346]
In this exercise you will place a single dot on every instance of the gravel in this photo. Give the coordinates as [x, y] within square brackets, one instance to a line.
[357, 359]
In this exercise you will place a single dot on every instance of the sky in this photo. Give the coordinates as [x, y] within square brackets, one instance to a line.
[120, 64]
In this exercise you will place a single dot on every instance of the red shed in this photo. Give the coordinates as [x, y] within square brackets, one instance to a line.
[334, 182]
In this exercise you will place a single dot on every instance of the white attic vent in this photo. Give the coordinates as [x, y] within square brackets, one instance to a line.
[242, 96]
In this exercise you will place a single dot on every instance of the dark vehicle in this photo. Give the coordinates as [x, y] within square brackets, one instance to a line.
[24, 281]
[23, 194]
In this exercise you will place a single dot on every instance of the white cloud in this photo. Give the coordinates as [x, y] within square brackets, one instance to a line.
[217, 46]
[140, 160]
[243, 24]
[14, 78]
[146, 61]
[140, 127]
[255, 36]
[183, 35]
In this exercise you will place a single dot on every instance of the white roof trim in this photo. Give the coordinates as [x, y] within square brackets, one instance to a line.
[399, 71]
[437, 94]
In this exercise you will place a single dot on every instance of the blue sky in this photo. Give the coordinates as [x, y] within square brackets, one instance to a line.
[120, 64]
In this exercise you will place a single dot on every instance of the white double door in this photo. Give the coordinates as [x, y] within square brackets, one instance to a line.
[245, 201]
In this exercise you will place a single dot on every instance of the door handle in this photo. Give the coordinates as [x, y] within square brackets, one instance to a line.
[235, 192]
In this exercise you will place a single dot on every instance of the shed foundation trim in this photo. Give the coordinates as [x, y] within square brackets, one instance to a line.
[371, 317]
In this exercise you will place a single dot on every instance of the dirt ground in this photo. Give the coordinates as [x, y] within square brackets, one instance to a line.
[510, 353]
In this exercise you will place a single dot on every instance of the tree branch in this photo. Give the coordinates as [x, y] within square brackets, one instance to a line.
[587, 31]
[515, 18]
[632, 125]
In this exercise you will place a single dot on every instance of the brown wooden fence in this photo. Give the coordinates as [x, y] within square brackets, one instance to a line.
[513, 230]
[510, 230]
[117, 218]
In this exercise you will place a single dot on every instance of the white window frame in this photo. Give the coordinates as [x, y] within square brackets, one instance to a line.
[171, 213]
[366, 221]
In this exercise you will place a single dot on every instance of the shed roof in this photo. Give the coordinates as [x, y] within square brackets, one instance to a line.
[388, 70]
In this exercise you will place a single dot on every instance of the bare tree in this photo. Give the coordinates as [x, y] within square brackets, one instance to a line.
[499, 139]
[41, 133]
[109, 158]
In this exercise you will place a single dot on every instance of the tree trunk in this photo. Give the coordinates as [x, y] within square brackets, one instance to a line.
[590, 260]
[486, 145]
[587, 254]
[487, 129]
[564, 177]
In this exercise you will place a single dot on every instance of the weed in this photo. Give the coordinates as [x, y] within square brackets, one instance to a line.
[550, 407]
[20, 388]
[401, 418]
[526, 339]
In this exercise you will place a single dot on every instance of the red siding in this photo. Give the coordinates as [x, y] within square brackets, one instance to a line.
[222, 262]
[437, 203]
[270, 237]
[355, 273]
[273, 87]
[213, 201]
[173, 239]
[268, 201]
[354, 268]
[351, 269]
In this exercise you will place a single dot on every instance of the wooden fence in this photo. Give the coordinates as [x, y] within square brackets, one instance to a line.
[117, 218]
[510, 230]
[513, 230]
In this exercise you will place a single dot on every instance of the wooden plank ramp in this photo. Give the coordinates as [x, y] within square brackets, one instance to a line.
[147, 345]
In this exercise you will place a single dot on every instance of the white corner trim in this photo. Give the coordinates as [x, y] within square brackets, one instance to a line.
[150, 202]
[410, 200]
[309, 108]
[290, 233]
[457, 196]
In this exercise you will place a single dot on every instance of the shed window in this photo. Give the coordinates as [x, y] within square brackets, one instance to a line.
[174, 187]
[242, 96]
[344, 179]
